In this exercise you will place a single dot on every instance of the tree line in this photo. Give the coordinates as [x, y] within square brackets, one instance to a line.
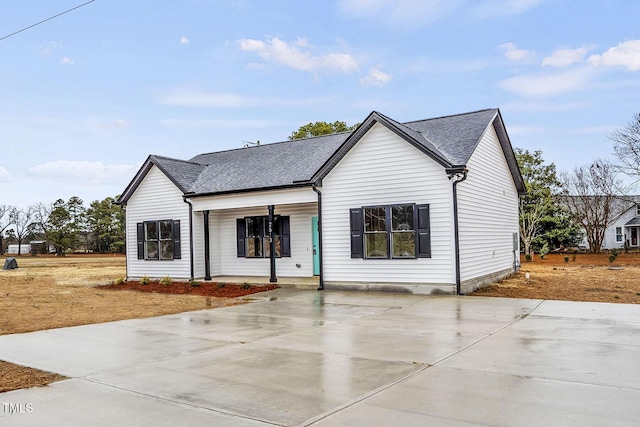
[65, 226]
[560, 210]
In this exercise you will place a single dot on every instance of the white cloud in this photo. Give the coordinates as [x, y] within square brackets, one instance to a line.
[50, 47]
[297, 56]
[220, 123]
[184, 40]
[487, 9]
[118, 124]
[67, 61]
[4, 174]
[547, 84]
[625, 54]
[565, 57]
[537, 106]
[376, 77]
[192, 97]
[399, 13]
[512, 53]
[82, 172]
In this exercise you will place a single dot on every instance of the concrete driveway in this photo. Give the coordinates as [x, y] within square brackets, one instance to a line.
[327, 358]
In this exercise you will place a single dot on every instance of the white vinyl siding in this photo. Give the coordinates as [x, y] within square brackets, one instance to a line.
[487, 211]
[383, 169]
[157, 198]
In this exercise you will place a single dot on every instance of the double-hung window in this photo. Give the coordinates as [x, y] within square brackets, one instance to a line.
[159, 240]
[390, 232]
[618, 234]
[253, 237]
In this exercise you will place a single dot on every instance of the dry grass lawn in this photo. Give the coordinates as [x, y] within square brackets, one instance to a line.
[588, 277]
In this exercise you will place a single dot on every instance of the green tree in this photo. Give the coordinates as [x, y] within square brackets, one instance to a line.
[59, 228]
[542, 219]
[106, 222]
[321, 128]
[78, 221]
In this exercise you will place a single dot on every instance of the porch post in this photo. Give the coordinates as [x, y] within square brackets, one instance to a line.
[207, 261]
[272, 246]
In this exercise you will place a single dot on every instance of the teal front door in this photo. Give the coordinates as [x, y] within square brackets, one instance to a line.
[316, 246]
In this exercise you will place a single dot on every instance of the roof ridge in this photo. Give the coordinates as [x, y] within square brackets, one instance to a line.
[272, 143]
[156, 156]
[451, 115]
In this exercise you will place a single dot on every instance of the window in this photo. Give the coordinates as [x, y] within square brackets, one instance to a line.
[390, 232]
[618, 234]
[159, 240]
[253, 237]
[638, 210]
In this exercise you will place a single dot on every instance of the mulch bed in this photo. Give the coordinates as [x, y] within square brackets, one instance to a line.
[206, 289]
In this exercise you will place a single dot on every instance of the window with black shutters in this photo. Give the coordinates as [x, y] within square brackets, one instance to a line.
[390, 232]
[253, 237]
[159, 240]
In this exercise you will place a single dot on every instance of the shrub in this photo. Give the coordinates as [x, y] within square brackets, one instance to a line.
[166, 281]
[246, 286]
[221, 285]
[544, 250]
[527, 257]
[144, 280]
[119, 281]
[573, 257]
[194, 283]
[613, 255]
[566, 258]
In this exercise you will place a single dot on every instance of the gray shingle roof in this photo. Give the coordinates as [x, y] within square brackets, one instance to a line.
[264, 166]
[449, 140]
[455, 137]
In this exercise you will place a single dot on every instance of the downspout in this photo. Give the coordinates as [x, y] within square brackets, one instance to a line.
[184, 199]
[315, 188]
[458, 176]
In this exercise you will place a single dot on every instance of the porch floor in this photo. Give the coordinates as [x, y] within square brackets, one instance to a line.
[283, 282]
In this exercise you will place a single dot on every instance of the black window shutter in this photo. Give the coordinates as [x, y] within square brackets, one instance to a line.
[177, 253]
[240, 237]
[140, 239]
[423, 231]
[356, 226]
[285, 236]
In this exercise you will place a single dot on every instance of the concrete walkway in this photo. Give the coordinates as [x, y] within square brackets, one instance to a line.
[296, 357]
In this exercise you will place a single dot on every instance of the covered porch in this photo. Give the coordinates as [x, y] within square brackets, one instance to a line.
[270, 237]
[632, 233]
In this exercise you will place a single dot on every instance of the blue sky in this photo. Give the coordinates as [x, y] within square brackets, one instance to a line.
[86, 97]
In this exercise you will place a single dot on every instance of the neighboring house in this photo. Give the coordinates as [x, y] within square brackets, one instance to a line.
[429, 206]
[23, 249]
[626, 227]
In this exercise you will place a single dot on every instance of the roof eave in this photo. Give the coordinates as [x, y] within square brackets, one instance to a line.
[299, 184]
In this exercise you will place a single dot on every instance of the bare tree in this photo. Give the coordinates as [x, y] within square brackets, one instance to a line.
[21, 222]
[5, 222]
[593, 196]
[40, 216]
[627, 146]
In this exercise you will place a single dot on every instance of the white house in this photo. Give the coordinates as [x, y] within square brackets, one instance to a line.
[626, 227]
[428, 206]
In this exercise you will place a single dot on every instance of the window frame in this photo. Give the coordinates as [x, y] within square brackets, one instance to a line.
[619, 234]
[360, 231]
[281, 234]
[165, 243]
